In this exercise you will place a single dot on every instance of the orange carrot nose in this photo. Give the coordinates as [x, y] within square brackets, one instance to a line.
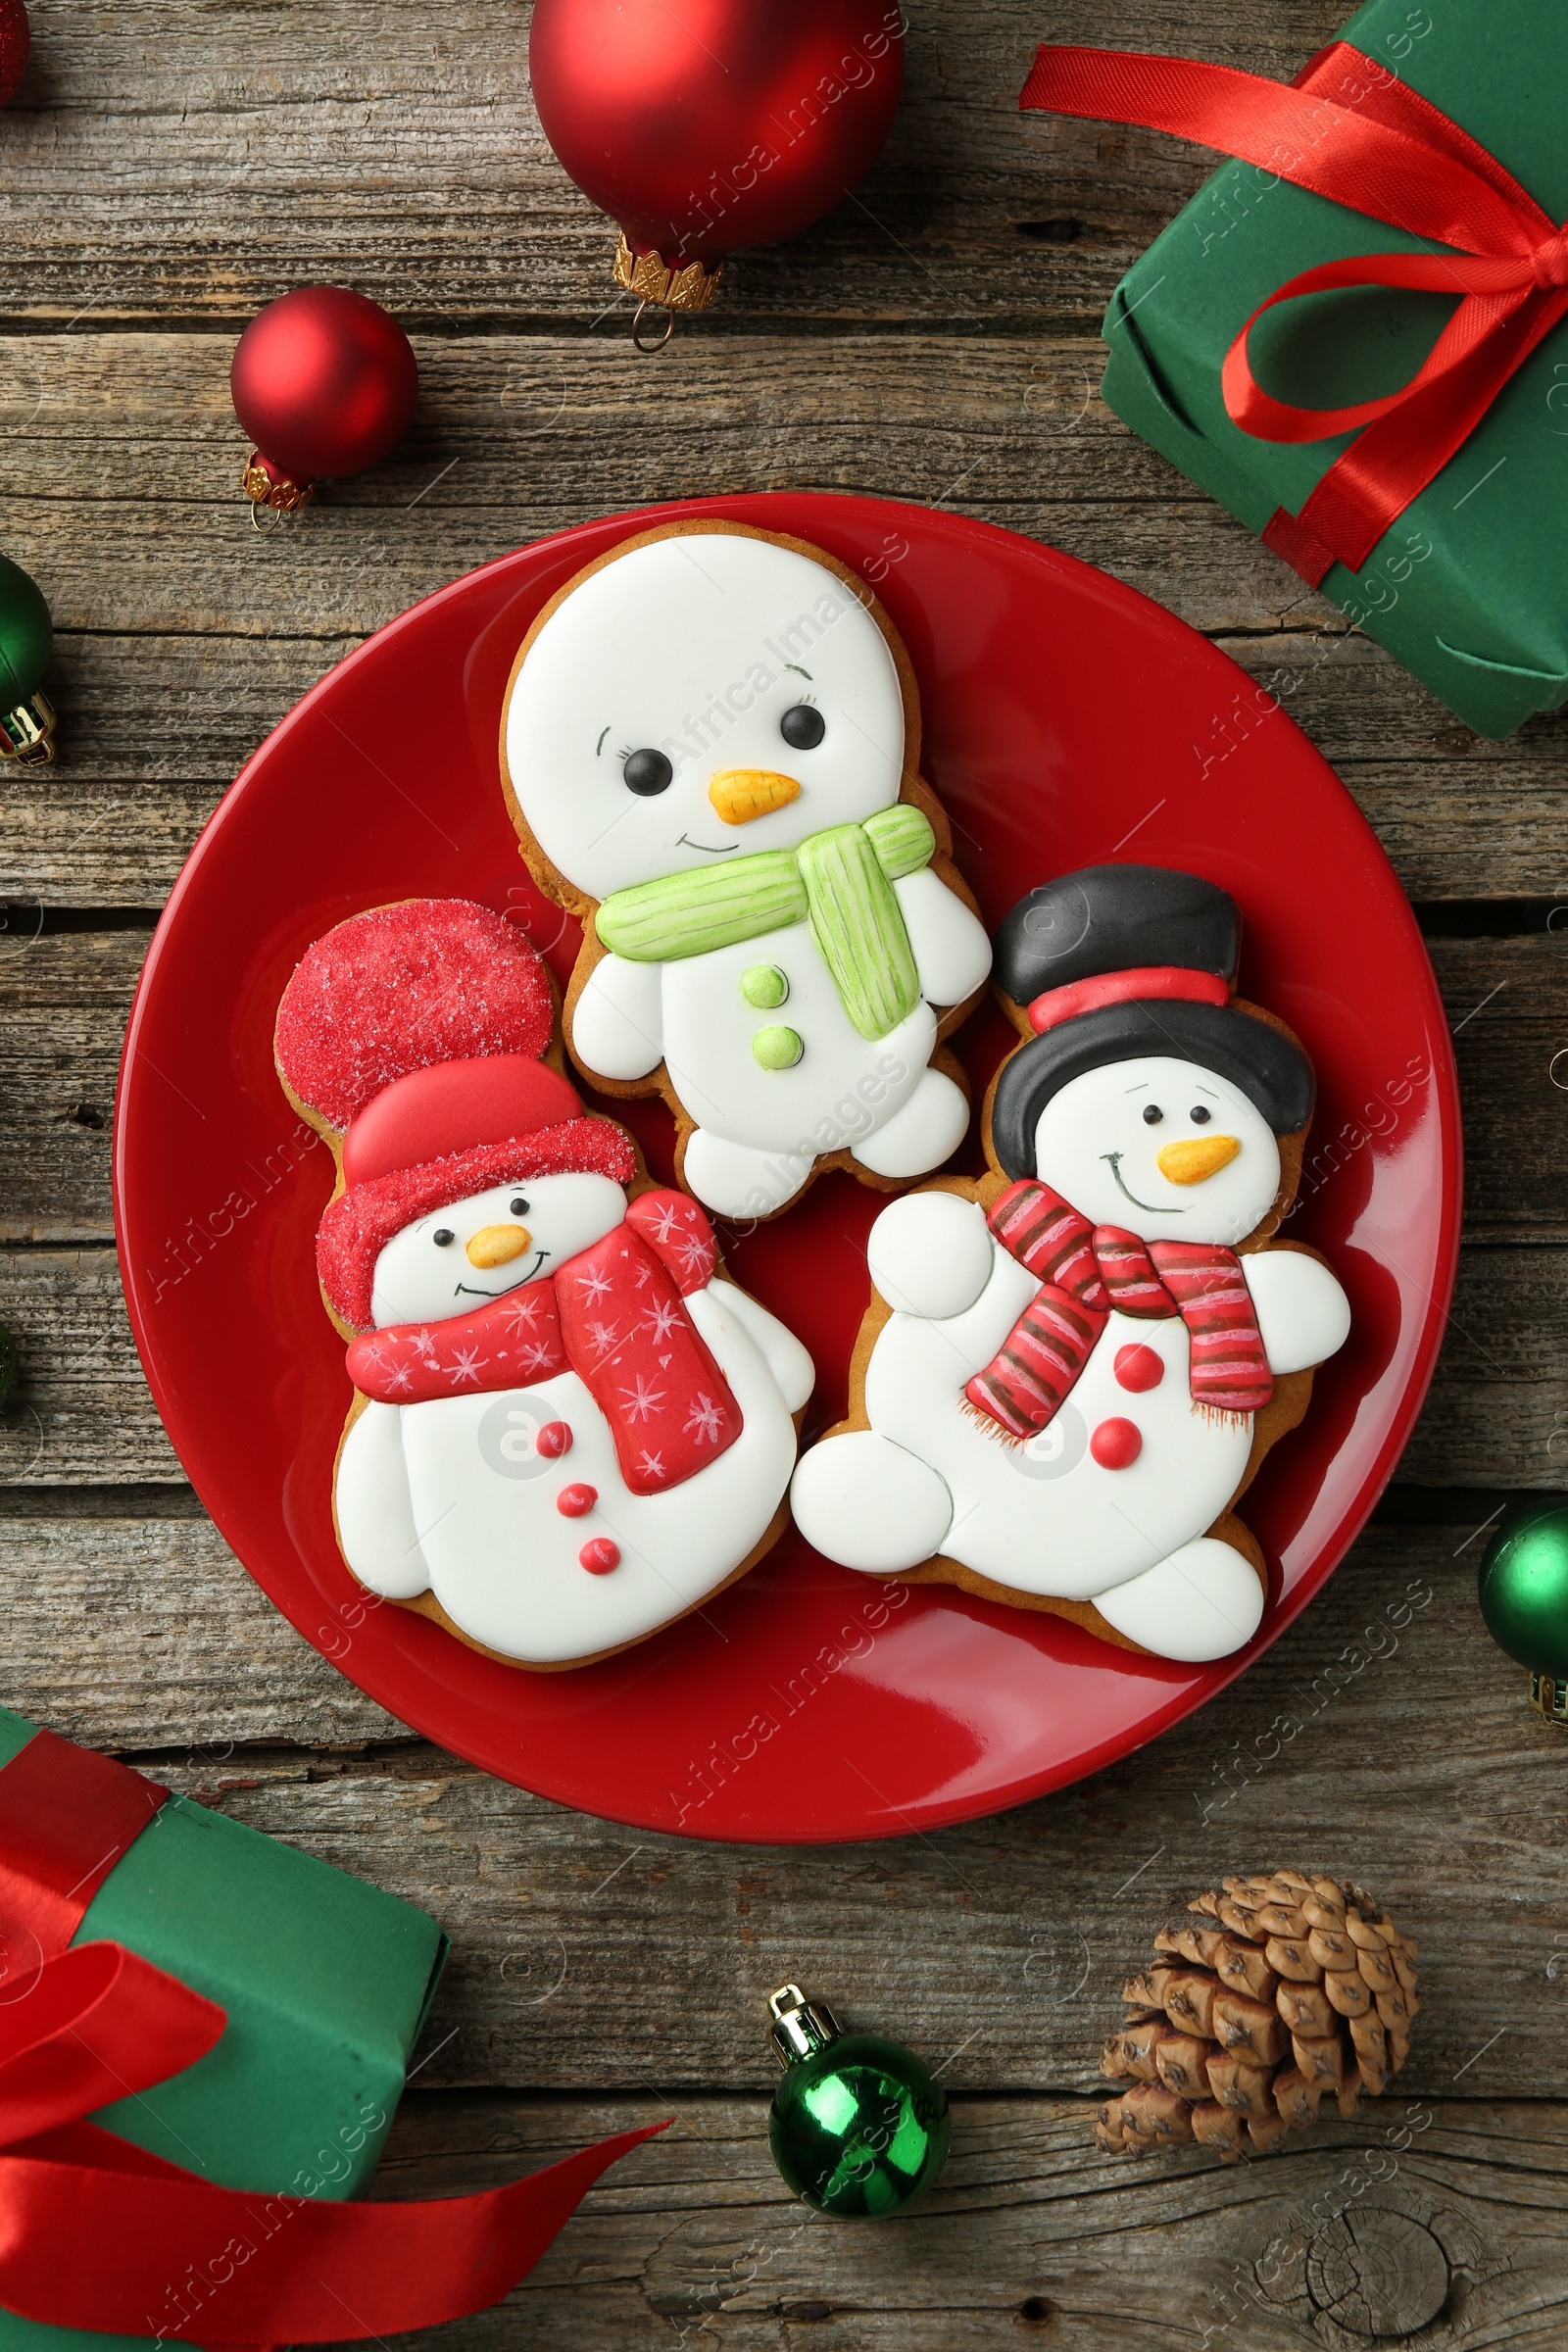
[498, 1244]
[1199, 1156]
[741, 793]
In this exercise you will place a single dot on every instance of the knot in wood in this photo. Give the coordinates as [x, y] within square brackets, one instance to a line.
[1377, 2272]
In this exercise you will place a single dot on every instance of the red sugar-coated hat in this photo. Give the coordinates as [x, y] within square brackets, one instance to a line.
[416, 1032]
[400, 987]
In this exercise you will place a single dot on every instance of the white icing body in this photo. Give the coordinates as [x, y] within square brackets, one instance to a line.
[452, 1495]
[696, 646]
[1045, 1518]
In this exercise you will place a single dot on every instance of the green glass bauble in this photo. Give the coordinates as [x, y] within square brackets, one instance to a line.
[1524, 1599]
[27, 638]
[859, 2127]
[10, 1371]
[27, 634]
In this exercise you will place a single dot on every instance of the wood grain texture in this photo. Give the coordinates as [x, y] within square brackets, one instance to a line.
[147, 1632]
[184, 638]
[1030, 2238]
[1000, 1947]
[1497, 1414]
[936, 339]
[65, 998]
[201, 162]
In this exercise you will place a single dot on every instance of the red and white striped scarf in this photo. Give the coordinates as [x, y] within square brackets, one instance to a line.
[1088, 1270]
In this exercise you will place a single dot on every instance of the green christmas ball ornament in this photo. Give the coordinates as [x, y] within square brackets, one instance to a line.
[10, 1369]
[26, 639]
[1524, 1599]
[859, 2127]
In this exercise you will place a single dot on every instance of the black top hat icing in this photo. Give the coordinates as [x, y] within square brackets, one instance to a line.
[1115, 961]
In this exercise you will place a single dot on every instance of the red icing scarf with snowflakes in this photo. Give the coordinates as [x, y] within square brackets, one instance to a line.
[615, 1315]
[1085, 1272]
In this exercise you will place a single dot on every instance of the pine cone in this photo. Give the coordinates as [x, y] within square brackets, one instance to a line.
[1292, 1988]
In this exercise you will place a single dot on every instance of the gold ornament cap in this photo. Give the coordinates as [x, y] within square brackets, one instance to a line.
[650, 278]
[279, 492]
[799, 2028]
[1548, 1695]
[27, 733]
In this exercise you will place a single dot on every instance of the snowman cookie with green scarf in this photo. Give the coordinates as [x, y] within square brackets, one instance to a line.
[709, 748]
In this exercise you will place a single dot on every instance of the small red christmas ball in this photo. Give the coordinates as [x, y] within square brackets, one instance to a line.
[720, 124]
[15, 39]
[324, 382]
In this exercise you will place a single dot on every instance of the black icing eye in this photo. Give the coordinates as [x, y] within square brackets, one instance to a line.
[442, 1235]
[1199, 1115]
[1153, 1115]
[803, 727]
[647, 772]
[518, 1208]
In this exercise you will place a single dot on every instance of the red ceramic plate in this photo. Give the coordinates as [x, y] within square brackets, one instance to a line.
[1067, 722]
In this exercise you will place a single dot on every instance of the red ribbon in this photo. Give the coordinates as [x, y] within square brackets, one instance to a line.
[1347, 130]
[99, 2234]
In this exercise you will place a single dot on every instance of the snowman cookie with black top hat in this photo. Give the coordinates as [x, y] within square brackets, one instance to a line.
[710, 751]
[1072, 1369]
[569, 1427]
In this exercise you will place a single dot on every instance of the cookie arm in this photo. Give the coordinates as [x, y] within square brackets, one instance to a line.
[931, 1254]
[1302, 1313]
[794, 1373]
[617, 1024]
[373, 1510]
[952, 953]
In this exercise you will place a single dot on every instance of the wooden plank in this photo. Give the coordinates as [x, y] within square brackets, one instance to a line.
[82, 1414]
[1497, 1414]
[1379, 1731]
[1507, 1005]
[178, 163]
[1447, 2215]
[63, 1001]
[184, 638]
[62, 1007]
[146, 1632]
[517, 436]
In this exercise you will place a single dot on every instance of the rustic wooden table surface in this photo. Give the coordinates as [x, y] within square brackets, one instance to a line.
[167, 169]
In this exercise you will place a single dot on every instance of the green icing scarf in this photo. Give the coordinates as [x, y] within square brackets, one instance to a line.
[840, 880]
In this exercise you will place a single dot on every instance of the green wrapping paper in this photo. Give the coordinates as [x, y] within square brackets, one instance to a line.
[326, 1982]
[1469, 588]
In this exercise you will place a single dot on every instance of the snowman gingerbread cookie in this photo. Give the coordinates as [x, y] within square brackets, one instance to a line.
[569, 1427]
[1071, 1368]
[711, 751]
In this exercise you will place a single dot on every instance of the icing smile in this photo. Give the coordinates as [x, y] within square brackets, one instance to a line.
[706, 852]
[1114, 1159]
[467, 1291]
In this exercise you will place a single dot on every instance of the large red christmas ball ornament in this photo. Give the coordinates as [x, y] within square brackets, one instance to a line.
[324, 382]
[15, 39]
[722, 124]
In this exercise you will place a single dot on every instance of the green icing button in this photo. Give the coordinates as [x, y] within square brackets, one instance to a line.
[777, 1049]
[764, 986]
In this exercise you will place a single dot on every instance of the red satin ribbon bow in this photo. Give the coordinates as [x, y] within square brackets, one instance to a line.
[97, 2233]
[1347, 130]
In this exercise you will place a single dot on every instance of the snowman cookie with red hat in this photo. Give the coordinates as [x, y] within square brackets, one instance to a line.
[569, 1427]
[1071, 1368]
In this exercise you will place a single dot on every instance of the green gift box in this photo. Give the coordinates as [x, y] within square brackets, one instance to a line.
[1467, 587]
[326, 1982]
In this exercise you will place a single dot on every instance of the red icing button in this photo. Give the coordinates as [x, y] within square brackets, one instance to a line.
[599, 1557]
[1137, 1368]
[573, 1502]
[1116, 1444]
[555, 1439]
